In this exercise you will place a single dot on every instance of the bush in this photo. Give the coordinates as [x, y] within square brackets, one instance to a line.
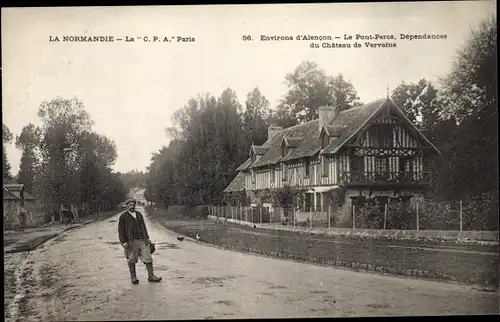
[480, 212]
[439, 215]
[400, 216]
[199, 212]
[344, 216]
[369, 216]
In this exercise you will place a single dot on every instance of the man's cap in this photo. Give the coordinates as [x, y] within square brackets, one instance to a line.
[129, 200]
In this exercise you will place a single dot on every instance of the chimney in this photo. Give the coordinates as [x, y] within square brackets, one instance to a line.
[326, 114]
[272, 130]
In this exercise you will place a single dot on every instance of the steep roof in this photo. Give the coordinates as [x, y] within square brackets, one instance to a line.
[354, 119]
[341, 127]
[292, 141]
[258, 150]
[14, 186]
[333, 131]
[15, 189]
[238, 183]
[302, 139]
[7, 195]
[348, 122]
[302, 131]
[245, 165]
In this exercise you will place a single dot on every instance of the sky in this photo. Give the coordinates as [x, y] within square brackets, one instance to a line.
[131, 89]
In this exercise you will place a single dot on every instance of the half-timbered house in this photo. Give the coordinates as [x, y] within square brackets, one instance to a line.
[371, 151]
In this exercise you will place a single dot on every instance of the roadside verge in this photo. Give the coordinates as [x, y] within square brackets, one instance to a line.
[31, 238]
[471, 264]
[460, 237]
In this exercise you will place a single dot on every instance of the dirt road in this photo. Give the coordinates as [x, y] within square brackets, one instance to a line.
[472, 264]
[82, 275]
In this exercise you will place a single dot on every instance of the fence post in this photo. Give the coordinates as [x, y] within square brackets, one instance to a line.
[418, 218]
[461, 215]
[385, 215]
[294, 217]
[329, 215]
[260, 212]
[353, 216]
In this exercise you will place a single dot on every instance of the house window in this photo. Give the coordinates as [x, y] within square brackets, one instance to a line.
[307, 167]
[324, 163]
[386, 135]
[285, 171]
[273, 174]
[356, 164]
[381, 164]
[253, 176]
[373, 136]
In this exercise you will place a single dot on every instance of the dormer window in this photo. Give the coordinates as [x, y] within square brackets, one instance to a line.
[325, 140]
[325, 165]
[307, 167]
[253, 158]
[284, 151]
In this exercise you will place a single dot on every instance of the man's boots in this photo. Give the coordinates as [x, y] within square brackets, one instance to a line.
[133, 276]
[151, 276]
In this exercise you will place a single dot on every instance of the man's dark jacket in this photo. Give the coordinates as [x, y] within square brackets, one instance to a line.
[127, 227]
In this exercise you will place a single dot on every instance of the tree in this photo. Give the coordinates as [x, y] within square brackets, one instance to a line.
[75, 162]
[7, 138]
[134, 179]
[207, 145]
[468, 166]
[63, 123]
[419, 102]
[28, 142]
[254, 118]
[471, 86]
[344, 93]
[310, 88]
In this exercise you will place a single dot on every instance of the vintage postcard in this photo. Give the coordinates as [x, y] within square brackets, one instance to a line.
[250, 161]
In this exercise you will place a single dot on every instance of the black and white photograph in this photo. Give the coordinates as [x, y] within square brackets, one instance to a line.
[250, 161]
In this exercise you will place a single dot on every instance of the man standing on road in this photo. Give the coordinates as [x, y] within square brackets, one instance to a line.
[135, 241]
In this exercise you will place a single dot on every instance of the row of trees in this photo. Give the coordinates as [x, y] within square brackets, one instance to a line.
[133, 179]
[64, 161]
[211, 136]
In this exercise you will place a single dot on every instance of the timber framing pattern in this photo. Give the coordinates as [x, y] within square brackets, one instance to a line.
[374, 146]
